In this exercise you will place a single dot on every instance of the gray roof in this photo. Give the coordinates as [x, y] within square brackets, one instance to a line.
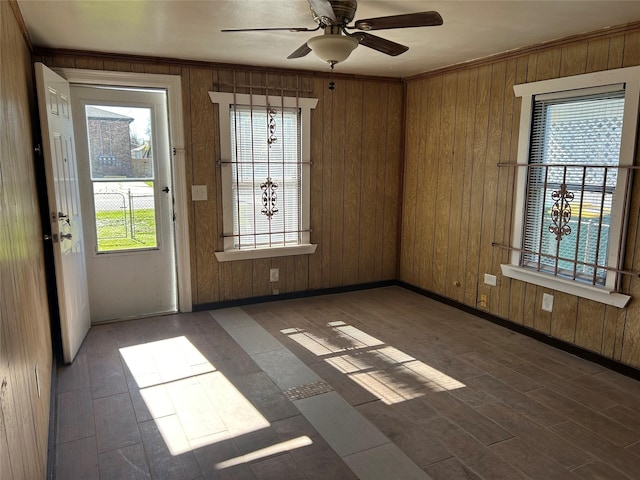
[93, 112]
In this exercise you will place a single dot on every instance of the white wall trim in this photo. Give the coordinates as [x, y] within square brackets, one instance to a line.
[597, 294]
[577, 82]
[173, 85]
[267, 252]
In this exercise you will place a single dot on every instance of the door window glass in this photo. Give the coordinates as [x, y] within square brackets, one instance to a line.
[122, 174]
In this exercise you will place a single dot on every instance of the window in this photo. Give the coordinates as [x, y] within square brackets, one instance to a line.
[577, 138]
[574, 155]
[265, 158]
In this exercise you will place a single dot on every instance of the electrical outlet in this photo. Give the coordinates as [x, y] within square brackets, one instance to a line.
[547, 302]
[490, 279]
[274, 275]
[482, 301]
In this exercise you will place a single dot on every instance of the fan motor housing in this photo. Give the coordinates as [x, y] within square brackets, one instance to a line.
[344, 11]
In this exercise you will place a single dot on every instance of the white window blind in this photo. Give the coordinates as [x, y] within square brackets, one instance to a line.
[266, 176]
[265, 171]
[572, 177]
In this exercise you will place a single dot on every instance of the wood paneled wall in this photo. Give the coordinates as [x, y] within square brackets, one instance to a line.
[356, 150]
[25, 339]
[457, 202]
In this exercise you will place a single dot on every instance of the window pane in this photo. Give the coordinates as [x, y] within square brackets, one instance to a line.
[121, 165]
[119, 142]
[266, 174]
[585, 132]
[125, 216]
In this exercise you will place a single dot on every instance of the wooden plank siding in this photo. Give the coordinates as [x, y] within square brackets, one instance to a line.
[392, 201]
[25, 339]
[417, 157]
[356, 150]
[410, 182]
[480, 207]
[457, 175]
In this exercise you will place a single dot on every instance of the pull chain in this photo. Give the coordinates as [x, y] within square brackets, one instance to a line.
[332, 84]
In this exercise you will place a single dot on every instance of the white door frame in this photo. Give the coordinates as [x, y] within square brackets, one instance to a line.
[173, 85]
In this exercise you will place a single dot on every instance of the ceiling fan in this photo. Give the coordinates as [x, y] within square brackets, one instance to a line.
[336, 44]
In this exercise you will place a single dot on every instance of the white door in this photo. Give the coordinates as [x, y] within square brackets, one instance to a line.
[124, 169]
[64, 208]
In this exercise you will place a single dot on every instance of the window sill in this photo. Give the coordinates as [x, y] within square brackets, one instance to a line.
[597, 294]
[265, 252]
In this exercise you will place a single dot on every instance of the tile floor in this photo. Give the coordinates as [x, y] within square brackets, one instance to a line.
[377, 384]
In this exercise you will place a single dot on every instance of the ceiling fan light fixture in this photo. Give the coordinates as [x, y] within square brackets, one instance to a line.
[332, 48]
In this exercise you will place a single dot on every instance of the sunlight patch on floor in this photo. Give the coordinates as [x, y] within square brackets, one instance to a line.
[276, 449]
[388, 373]
[192, 403]
[164, 361]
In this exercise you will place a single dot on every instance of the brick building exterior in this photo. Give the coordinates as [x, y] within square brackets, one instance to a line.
[109, 144]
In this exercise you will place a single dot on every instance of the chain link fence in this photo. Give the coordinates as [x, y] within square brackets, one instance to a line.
[125, 216]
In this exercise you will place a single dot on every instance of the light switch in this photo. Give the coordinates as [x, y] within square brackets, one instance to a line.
[198, 193]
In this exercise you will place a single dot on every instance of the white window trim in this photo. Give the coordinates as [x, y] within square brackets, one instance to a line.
[225, 101]
[631, 78]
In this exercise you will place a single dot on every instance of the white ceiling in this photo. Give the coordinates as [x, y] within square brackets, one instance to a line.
[190, 30]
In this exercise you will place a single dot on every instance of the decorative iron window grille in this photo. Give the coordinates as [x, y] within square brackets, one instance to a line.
[265, 158]
[272, 112]
[571, 185]
[578, 131]
[269, 198]
[265, 171]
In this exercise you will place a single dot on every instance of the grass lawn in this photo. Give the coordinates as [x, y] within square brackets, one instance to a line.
[115, 232]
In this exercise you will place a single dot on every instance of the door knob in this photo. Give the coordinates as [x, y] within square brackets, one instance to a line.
[165, 189]
[65, 235]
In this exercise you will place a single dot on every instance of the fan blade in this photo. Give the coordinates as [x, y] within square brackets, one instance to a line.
[300, 52]
[324, 10]
[380, 44]
[421, 19]
[283, 29]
